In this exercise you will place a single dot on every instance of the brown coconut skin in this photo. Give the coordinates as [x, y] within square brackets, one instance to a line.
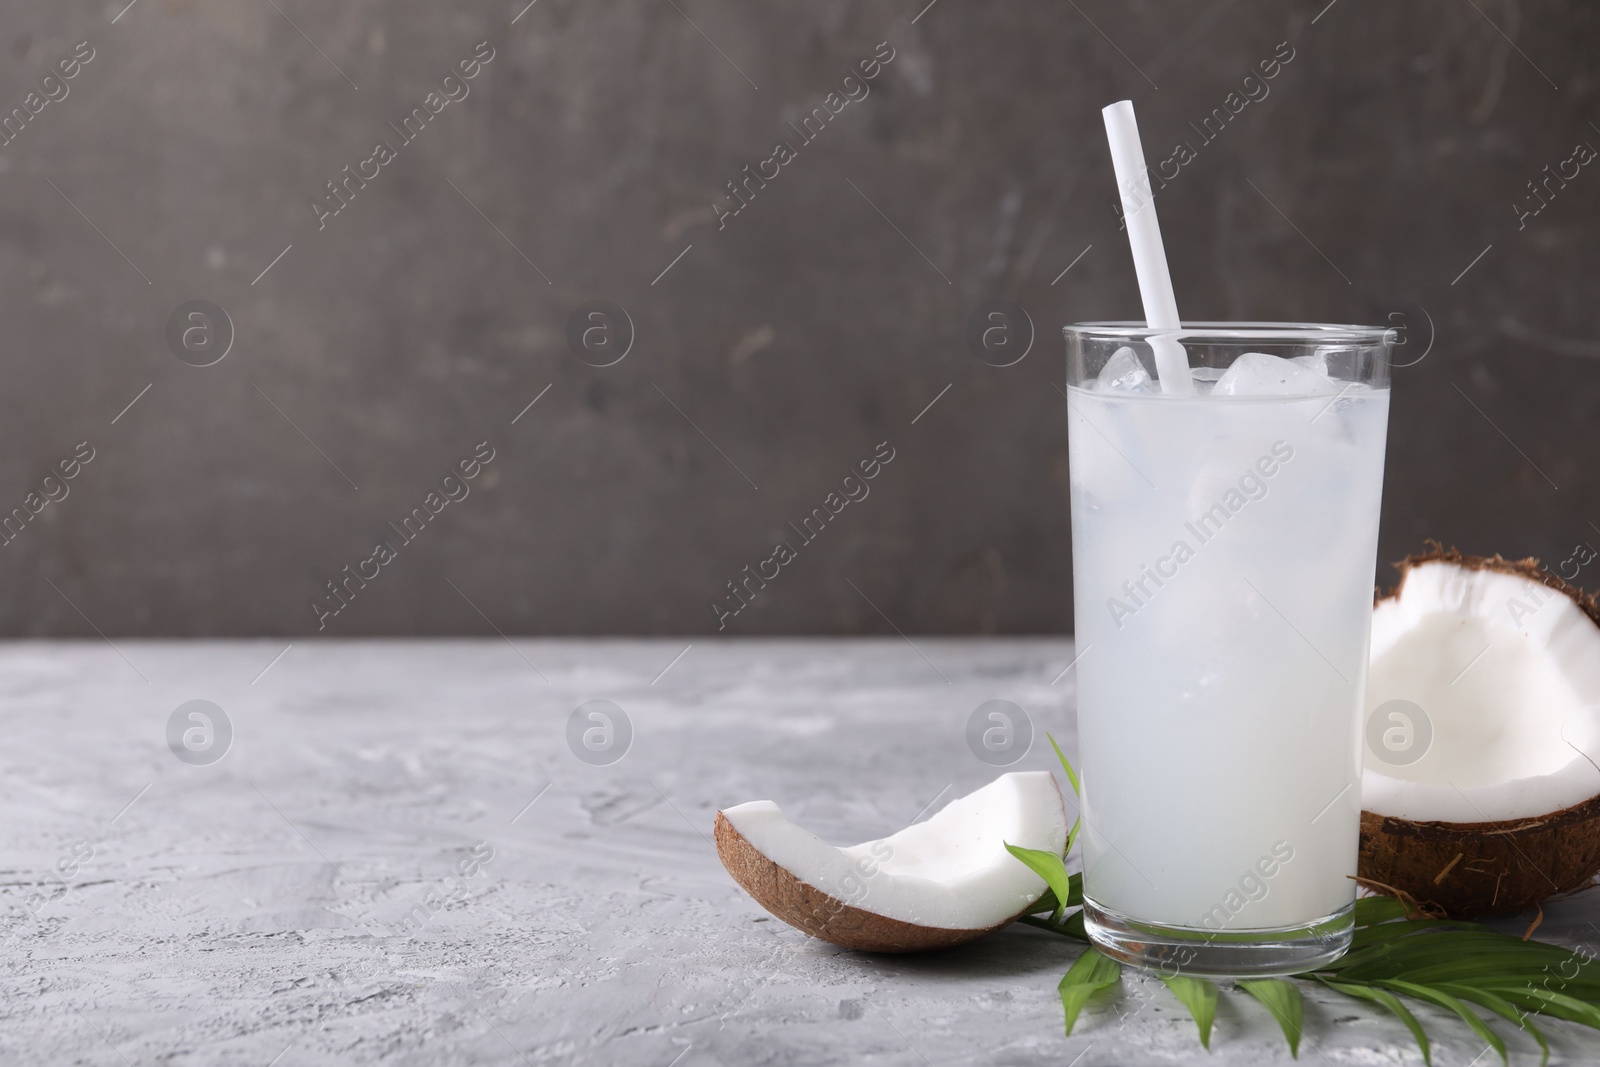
[807, 908]
[1468, 870]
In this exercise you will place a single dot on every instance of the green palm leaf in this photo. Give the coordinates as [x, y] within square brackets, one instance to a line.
[1071, 926]
[1048, 865]
[1503, 1008]
[1072, 775]
[1077, 790]
[1547, 1002]
[1387, 1000]
[1368, 936]
[1449, 1003]
[1467, 953]
[1200, 997]
[1088, 975]
[1282, 998]
[1373, 910]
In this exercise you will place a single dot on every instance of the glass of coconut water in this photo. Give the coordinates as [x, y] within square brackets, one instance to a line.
[1224, 539]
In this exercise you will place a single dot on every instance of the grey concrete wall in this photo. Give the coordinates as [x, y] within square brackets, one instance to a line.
[771, 352]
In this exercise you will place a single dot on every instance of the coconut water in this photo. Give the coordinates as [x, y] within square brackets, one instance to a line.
[1223, 564]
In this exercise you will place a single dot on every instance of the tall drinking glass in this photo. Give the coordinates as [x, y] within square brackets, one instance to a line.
[1223, 547]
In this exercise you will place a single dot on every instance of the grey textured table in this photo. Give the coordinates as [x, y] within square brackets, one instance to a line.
[302, 901]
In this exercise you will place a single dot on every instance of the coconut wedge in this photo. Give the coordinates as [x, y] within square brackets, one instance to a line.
[932, 885]
[1481, 792]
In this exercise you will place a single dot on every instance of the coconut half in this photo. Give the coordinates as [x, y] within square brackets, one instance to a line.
[1480, 787]
[936, 883]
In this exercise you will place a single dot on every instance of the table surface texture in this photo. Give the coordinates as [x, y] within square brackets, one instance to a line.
[401, 859]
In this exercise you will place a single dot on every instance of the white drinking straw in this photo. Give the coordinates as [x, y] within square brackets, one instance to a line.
[1149, 257]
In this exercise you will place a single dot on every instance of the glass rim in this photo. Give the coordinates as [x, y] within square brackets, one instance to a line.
[1261, 332]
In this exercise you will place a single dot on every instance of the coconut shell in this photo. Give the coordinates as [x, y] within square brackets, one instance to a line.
[1466, 870]
[807, 908]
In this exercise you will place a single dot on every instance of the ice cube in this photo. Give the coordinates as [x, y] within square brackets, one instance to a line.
[1258, 374]
[1124, 373]
[1318, 361]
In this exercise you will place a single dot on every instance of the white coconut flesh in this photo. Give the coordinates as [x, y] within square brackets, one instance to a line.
[1507, 671]
[951, 871]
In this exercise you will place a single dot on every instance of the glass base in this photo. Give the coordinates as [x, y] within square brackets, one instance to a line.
[1176, 950]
